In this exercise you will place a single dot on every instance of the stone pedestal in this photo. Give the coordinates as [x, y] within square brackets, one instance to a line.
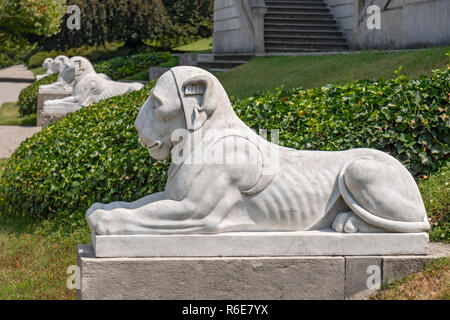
[325, 242]
[49, 116]
[210, 278]
[326, 277]
[156, 72]
[45, 95]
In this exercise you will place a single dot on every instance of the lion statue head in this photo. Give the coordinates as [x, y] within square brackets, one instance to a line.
[76, 68]
[47, 63]
[58, 64]
[183, 98]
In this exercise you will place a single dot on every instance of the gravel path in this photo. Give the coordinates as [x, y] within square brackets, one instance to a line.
[12, 81]
[12, 136]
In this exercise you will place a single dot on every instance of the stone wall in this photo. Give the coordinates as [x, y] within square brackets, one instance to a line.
[404, 23]
[238, 26]
[344, 12]
[230, 34]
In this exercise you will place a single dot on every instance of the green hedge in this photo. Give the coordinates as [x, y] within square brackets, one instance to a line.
[28, 96]
[94, 154]
[117, 68]
[406, 118]
[121, 67]
[38, 58]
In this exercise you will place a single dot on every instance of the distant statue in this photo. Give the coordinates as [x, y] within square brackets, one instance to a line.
[88, 86]
[224, 177]
[56, 67]
[46, 65]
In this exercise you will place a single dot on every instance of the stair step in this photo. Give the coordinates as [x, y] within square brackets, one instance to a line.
[233, 57]
[283, 46]
[301, 39]
[292, 26]
[275, 2]
[300, 50]
[297, 9]
[300, 32]
[298, 15]
[319, 4]
[303, 20]
[300, 26]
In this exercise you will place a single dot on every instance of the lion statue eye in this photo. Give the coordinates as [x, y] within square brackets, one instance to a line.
[155, 104]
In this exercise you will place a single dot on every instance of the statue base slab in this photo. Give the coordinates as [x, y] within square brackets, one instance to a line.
[255, 278]
[45, 95]
[303, 243]
[50, 115]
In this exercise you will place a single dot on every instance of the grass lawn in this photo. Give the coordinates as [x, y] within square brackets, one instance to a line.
[2, 164]
[9, 115]
[34, 259]
[431, 284]
[200, 46]
[435, 192]
[140, 76]
[268, 73]
[38, 71]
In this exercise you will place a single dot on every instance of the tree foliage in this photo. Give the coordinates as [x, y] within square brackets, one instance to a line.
[111, 20]
[23, 20]
[191, 17]
[166, 22]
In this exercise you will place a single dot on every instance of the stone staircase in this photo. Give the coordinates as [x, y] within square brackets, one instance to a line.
[301, 26]
[222, 62]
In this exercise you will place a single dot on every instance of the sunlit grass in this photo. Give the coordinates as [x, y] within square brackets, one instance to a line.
[268, 73]
[9, 115]
[431, 284]
[200, 46]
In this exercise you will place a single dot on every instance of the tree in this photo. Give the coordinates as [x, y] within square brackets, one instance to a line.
[22, 20]
[191, 18]
[109, 20]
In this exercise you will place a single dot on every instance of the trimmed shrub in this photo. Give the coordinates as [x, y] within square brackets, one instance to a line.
[94, 154]
[38, 58]
[405, 118]
[28, 96]
[121, 67]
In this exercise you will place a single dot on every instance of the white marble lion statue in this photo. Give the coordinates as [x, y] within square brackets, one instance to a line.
[189, 117]
[46, 65]
[56, 67]
[88, 86]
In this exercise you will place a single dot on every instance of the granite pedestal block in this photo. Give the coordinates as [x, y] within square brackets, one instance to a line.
[49, 116]
[45, 95]
[300, 277]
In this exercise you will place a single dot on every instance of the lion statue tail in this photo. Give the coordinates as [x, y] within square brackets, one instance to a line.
[372, 218]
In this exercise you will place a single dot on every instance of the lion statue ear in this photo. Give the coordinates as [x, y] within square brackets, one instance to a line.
[199, 101]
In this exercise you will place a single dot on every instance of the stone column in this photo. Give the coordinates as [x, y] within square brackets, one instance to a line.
[259, 9]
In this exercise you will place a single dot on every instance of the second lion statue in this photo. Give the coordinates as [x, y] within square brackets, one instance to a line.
[189, 114]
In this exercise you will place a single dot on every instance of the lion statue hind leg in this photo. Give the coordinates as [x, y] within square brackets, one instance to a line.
[382, 196]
